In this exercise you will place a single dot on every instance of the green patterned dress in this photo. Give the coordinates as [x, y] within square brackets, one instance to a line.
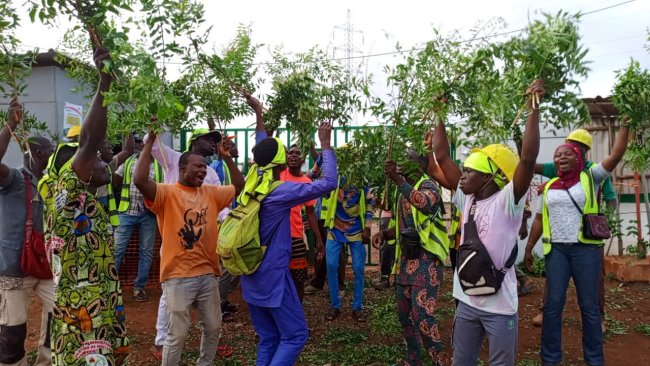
[87, 326]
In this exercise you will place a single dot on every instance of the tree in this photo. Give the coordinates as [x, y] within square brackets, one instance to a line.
[631, 96]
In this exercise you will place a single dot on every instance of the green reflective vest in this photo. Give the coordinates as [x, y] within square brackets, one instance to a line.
[112, 205]
[126, 182]
[591, 207]
[328, 207]
[431, 229]
[454, 225]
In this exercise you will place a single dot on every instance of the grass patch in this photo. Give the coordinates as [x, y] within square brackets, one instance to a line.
[643, 328]
[384, 317]
[528, 362]
[615, 326]
[343, 336]
[350, 355]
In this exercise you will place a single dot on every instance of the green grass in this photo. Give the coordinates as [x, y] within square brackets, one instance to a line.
[383, 319]
[614, 326]
[643, 328]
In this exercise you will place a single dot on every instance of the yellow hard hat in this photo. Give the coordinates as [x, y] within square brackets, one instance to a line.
[580, 135]
[503, 157]
[73, 131]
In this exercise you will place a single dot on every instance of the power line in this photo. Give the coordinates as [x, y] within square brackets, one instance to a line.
[415, 49]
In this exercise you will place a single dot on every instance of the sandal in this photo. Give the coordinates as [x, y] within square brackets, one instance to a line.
[359, 316]
[225, 351]
[332, 314]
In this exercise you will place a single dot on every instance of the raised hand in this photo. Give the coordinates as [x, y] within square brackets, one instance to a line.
[535, 93]
[15, 116]
[325, 135]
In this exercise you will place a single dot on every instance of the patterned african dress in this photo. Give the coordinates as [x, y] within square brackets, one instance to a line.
[418, 280]
[87, 326]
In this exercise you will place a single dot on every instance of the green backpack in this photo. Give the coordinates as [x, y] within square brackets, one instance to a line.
[239, 244]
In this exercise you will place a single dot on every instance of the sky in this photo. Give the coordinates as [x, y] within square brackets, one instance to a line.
[614, 32]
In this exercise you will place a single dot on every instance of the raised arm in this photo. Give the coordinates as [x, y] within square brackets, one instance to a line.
[256, 106]
[15, 117]
[236, 176]
[93, 130]
[141, 179]
[128, 148]
[433, 169]
[441, 150]
[426, 199]
[618, 150]
[530, 145]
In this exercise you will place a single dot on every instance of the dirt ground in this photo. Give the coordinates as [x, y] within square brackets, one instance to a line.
[378, 342]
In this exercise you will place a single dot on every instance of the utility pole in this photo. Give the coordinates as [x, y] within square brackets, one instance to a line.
[348, 49]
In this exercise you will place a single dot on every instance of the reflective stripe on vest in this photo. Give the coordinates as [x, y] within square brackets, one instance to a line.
[431, 229]
[328, 207]
[112, 205]
[591, 207]
[126, 182]
[454, 225]
[226, 174]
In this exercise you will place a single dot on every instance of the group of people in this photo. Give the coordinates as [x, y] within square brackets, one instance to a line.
[70, 192]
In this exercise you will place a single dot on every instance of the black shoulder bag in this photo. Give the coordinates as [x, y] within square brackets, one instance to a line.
[476, 271]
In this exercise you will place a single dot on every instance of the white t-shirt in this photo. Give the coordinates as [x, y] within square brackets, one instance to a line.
[563, 216]
[498, 219]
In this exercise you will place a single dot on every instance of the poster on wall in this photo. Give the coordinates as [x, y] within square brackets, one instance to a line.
[72, 116]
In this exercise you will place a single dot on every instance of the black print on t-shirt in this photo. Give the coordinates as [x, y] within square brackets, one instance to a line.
[187, 233]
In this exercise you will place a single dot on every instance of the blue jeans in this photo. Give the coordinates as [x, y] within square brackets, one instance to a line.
[358, 252]
[148, 227]
[583, 263]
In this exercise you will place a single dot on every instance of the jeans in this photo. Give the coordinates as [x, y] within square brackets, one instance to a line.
[183, 293]
[148, 227]
[14, 305]
[333, 251]
[471, 325]
[582, 262]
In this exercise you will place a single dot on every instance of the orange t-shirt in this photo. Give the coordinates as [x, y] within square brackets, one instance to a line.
[296, 211]
[188, 223]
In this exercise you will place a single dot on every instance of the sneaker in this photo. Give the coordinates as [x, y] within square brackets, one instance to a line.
[538, 320]
[310, 290]
[140, 295]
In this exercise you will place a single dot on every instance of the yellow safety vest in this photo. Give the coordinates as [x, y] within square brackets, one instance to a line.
[112, 205]
[431, 229]
[328, 208]
[126, 183]
[454, 225]
[591, 207]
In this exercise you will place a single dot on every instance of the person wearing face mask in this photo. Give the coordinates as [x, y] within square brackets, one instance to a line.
[88, 321]
[423, 248]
